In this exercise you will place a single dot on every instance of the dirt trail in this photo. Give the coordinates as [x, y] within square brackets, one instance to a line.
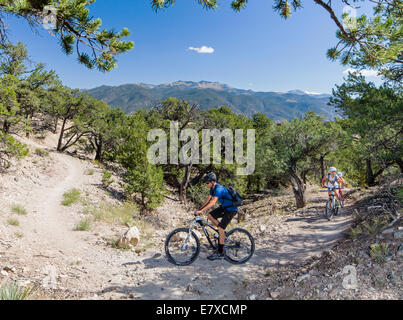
[48, 227]
[296, 239]
[104, 272]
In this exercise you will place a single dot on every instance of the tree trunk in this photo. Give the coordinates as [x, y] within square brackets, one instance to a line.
[303, 176]
[98, 155]
[143, 202]
[6, 126]
[370, 177]
[59, 144]
[184, 183]
[298, 188]
[400, 164]
[55, 122]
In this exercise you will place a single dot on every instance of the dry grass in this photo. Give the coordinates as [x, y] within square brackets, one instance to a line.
[18, 209]
[127, 214]
[13, 222]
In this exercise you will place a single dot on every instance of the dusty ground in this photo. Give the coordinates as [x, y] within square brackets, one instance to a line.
[45, 251]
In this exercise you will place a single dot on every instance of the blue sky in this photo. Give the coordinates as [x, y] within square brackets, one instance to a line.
[254, 49]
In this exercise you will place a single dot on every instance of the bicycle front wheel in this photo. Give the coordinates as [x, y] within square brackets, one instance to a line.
[239, 246]
[182, 247]
[328, 212]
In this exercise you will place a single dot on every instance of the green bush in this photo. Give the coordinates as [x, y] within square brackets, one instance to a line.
[107, 179]
[198, 193]
[90, 172]
[10, 148]
[354, 232]
[379, 252]
[83, 225]
[71, 197]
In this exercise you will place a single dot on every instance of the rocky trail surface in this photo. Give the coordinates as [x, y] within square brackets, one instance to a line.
[46, 251]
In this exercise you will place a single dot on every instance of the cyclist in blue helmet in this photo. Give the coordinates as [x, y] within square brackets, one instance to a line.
[226, 211]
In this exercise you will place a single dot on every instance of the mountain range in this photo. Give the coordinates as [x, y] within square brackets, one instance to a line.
[276, 105]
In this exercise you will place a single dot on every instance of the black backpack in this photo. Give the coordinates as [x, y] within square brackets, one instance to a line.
[236, 198]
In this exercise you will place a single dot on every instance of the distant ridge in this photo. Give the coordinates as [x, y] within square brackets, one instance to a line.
[276, 105]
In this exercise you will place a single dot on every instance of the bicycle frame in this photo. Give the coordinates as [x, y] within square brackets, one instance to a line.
[332, 196]
[203, 224]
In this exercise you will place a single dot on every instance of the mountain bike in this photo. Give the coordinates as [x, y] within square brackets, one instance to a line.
[334, 208]
[182, 245]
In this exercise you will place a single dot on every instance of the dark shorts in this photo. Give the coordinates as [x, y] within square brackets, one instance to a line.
[226, 216]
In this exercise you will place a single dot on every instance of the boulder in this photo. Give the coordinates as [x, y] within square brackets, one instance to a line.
[129, 239]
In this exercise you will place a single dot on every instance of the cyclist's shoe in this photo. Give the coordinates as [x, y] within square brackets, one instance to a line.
[216, 256]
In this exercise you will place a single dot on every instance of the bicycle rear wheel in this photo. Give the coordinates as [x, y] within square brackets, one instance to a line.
[239, 246]
[182, 247]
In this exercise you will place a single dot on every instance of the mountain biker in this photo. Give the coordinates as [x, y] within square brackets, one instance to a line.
[226, 211]
[340, 174]
[333, 182]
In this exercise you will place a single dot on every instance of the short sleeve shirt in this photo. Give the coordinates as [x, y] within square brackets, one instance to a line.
[332, 181]
[223, 196]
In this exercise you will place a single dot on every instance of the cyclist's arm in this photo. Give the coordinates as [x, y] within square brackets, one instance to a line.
[323, 181]
[205, 203]
[212, 201]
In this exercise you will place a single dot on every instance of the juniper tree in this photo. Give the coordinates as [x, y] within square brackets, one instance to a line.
[9, 147]
[288, 151]
[374, 122]
[141, 176]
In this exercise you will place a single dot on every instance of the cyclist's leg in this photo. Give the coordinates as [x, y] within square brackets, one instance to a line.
[214, 215]
[336, 192]
[329, 191]
[226, 219]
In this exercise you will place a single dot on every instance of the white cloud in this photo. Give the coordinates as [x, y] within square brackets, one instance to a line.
[365, 73]
[202, 49]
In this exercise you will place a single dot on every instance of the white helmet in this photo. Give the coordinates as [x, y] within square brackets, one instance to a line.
[332, 169]
[339, 174]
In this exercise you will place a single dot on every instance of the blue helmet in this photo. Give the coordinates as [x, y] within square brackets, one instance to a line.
[209, 177]
[339, 174]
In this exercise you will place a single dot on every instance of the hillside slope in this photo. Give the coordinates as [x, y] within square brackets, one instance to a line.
[45, 244]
